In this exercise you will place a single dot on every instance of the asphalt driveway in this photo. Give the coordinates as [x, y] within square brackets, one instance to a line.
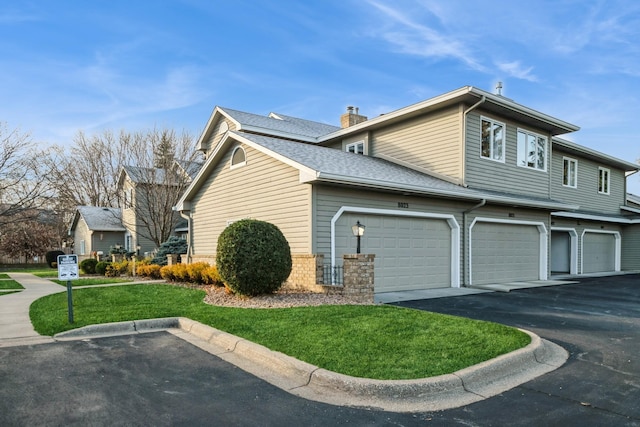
[597, 321]
[158, 379]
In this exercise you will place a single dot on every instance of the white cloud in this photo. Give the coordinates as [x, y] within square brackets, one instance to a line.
[515, 69]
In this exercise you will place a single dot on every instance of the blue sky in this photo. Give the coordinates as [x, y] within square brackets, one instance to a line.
[73, 65]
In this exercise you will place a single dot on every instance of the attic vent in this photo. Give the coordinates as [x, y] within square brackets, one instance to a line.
[105, 209]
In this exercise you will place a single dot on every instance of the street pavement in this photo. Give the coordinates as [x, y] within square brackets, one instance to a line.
[159, 379]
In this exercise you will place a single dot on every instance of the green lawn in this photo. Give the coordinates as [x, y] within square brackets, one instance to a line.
[4, 276]
[89, 281]
[40, 272]
[10, 284]
[381, 342]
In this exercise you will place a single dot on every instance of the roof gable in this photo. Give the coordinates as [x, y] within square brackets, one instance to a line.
[99, 218]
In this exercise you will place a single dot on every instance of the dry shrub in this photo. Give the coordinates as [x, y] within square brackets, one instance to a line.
[195, 272]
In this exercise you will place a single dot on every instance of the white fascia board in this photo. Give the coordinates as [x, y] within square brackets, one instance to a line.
[519, 108]
[397, 113]
[577, 215]
[605, 158]
[217, 111]
[630, 209]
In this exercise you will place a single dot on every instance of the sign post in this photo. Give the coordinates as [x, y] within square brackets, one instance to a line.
[68, 270]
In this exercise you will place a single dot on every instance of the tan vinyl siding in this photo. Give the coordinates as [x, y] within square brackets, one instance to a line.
[263, 189]
[586, 194]
[494, 175]
[430, 142]
[215, 137]
[81, 233]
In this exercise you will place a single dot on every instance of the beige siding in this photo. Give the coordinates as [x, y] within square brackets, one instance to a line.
[506, 177]
[263, 189]
[216, 136]
[82, 233]
[586, 194]
[431, 142]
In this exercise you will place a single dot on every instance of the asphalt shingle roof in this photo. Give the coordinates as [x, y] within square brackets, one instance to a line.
[356, 168]
[283, 124]
[102, 219]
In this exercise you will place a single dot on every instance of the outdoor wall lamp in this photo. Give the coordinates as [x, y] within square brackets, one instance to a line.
[138, 250]
[358, 231]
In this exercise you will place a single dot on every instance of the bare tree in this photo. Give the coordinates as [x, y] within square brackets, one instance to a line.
[22, 189]
[158, 161]
[160, 176]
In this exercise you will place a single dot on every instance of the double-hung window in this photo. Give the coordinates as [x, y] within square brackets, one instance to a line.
[570, 172]
[603, 181]
[492, 143]
[532, 150]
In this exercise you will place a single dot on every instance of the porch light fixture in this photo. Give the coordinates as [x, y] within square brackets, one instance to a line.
[358, 231]
[138, 250]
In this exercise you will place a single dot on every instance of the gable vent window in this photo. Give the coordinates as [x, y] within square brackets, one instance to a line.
[355, 147]
[238, 158]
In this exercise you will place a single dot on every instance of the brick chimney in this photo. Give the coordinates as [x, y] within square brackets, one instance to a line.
[351, 118]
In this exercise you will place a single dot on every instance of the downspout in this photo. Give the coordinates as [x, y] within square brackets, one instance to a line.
[464, 138]
[465, 239]
[187, 215]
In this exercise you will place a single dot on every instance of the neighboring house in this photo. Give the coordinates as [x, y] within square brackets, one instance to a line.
[96, 229]
[466, 188]
[147, 198]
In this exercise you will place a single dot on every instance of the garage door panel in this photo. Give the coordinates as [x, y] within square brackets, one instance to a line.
[415, 253]
[598, 252]
[504, 253]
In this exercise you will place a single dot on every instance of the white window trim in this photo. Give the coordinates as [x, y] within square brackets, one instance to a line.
[575, 171]
[355, 144]
[546, 150]
[608, 180]
[504, 139]
[243, 163]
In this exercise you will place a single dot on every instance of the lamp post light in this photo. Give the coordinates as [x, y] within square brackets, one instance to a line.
[358, 231]
[138, 250]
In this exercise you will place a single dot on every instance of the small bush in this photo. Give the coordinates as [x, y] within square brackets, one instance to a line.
[117, 269]
[195, 272]
[101, 267]
[151, 271]
[253, 257]
[88, 266]
[166, 272]
[52, 258]
[211, 276]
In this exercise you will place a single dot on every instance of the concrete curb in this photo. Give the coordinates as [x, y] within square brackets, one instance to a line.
[448, 391]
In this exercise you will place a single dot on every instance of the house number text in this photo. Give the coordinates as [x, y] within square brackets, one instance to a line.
[403, 205]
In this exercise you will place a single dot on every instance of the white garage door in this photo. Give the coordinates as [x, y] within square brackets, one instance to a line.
[599, 252]
[411, 253]
[504, 253]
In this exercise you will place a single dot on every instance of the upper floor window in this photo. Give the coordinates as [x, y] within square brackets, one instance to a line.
[355, 147]
[569, 172]
[492, 146]
[603, 181]
[532, 150]
[128, 198]
[238, 158]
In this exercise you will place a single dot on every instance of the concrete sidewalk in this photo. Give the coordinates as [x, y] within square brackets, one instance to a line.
[15, 325]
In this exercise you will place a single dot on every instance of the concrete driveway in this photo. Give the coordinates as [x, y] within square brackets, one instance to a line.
[596, 320]
[159, 379]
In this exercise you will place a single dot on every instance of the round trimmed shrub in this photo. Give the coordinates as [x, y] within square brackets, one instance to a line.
[52, 258]
[101, 267]
[88, 266]
[253, 257]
